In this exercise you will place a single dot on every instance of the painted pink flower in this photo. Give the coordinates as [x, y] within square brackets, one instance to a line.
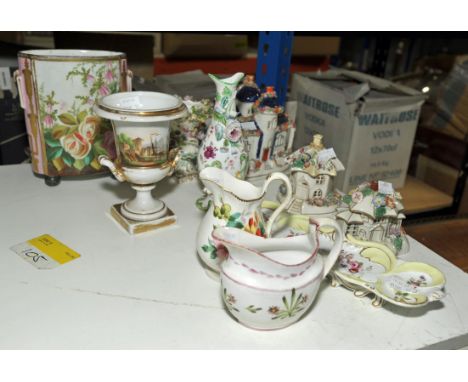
[354, 266]
[109, 76]
[104, 90]
[89, 128]
[230, 164]
[76, 145]
[357, 196]
[233, 132]
[90, 79]
[222, 252]
[210, 152]
[48, 121]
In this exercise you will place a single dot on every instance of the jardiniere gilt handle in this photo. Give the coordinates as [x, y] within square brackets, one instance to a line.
[174, 157]
[19, 85]
[116, 170]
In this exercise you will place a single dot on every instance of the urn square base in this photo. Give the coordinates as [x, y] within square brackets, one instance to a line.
[134, 227]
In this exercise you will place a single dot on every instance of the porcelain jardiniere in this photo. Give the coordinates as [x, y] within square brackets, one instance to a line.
[269, 283]
[141, 123]
[235, 203]
[224, 145]
[58, 89]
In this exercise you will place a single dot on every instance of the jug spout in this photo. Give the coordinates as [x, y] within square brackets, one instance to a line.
[226, 94]
[277, 257]
[219, 182]
[230, 81]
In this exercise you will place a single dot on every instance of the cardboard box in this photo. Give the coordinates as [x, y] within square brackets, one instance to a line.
[315, 46]
[198, 45]
[369, 121]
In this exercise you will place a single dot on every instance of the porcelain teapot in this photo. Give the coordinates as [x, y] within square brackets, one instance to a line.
[234, 203]
[269, 283]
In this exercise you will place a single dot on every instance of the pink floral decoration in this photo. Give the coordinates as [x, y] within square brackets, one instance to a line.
[210, 152]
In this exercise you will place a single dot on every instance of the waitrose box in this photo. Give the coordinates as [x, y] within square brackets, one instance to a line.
[370, 122]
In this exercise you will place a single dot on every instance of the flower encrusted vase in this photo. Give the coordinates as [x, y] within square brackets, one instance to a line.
[224, 146]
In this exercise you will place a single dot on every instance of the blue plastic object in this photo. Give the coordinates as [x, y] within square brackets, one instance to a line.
[274, 61]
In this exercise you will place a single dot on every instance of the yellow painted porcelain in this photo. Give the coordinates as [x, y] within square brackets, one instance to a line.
[368, 267]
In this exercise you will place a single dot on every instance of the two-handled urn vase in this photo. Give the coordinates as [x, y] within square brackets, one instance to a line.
[141, 124]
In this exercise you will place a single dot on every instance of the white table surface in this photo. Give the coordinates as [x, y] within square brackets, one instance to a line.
[150, 291]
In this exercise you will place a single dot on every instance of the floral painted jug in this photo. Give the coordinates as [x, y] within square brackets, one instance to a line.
[235, 203]
[269, 283]
[224, 145]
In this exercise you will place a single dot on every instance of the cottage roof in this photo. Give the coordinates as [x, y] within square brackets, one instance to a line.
[367, 200]
[308, 160]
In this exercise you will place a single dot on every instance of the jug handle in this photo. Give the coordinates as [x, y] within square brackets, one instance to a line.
[286, 201]
[337, 245]
[204, 199]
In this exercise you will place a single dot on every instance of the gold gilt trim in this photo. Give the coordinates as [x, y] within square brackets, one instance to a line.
[26, 75]
[170, 162]
[37, 57]
[134, 227]
[161, 166]
[176, 110]
[40, 136]
[233, 194]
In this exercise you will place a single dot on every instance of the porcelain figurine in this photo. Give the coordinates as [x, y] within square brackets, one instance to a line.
[269, 132]
[372, 269]
[247, 94]
[58, 89]
[224, 146]
[269, 283]
[313, 169]
[185, 134]
[141, 122]
[235, 203]
[368, 268]
[375, 214]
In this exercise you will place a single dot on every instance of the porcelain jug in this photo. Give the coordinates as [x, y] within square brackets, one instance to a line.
[269, 283]
[234, 203]
[224, 145]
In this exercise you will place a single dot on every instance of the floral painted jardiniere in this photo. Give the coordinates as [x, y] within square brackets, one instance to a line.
[58, 89]
[269, 283]
[224, 145]
[234, 203]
